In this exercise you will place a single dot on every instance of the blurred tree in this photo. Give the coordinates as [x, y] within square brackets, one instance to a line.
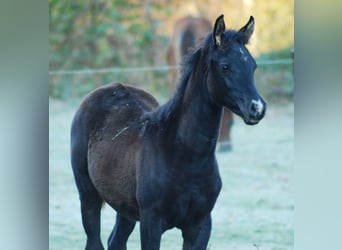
[100, 33]
[118, 33]
[85, 34]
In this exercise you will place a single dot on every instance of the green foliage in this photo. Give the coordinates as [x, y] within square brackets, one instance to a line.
[99, 34]
[112, 34]
[95, 34]
[275, 81]
[276, 55]
[274, 24]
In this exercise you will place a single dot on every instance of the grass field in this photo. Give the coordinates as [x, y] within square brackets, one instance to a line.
[255, 207]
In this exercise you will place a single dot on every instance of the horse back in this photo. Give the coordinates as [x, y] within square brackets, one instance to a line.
[110, 105]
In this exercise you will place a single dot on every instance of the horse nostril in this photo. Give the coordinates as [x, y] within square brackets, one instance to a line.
[254, 108]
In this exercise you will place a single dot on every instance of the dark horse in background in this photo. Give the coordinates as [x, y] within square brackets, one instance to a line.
[156, 164]
[188, 32]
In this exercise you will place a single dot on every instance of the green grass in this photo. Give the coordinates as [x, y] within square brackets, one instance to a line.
[255, 207]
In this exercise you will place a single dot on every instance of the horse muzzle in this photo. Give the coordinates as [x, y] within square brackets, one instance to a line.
[255, 112]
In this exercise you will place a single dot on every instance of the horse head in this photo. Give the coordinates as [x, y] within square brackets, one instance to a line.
[231, 71]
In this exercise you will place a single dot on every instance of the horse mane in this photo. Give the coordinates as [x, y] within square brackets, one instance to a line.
[167, 110]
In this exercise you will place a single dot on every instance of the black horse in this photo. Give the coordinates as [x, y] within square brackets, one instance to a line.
[156, 164]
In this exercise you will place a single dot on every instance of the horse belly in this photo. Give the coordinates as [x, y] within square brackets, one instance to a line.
[112, 169]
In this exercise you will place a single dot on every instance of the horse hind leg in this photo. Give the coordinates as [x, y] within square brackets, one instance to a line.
[91, 202]
[91, 215]
[119, 236]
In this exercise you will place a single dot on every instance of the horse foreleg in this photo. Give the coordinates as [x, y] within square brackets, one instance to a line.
[197, 237]
[119, 236]
[150, 231]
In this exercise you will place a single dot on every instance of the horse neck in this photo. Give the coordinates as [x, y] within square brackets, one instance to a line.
[196, 118]
[200, 118]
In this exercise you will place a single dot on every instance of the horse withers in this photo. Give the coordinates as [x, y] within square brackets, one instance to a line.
[156, 164]
[187, 33]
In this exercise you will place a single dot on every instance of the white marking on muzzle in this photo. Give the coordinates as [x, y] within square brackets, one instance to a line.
[259, 105]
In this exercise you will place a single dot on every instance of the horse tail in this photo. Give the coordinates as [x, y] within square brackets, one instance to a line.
[79, 150]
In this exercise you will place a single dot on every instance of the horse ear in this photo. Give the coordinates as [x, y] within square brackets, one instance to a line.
[219, 29]
[248, 29]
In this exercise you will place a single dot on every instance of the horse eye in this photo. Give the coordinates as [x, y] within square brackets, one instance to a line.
[225, 67]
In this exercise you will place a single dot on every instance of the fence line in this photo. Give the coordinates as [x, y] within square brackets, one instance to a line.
[152, 68]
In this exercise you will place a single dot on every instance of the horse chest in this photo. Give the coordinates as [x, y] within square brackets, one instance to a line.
[181, 187]
[189, 203]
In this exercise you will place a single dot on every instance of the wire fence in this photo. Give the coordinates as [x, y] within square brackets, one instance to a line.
[285, 61]
[274, 78]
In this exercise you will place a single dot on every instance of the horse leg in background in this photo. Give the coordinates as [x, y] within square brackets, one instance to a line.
[197, 237]
[119, 236]
[225, 143]
[91, 202]
[172, 71]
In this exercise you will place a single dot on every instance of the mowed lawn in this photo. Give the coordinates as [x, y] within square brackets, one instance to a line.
[253, 212]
